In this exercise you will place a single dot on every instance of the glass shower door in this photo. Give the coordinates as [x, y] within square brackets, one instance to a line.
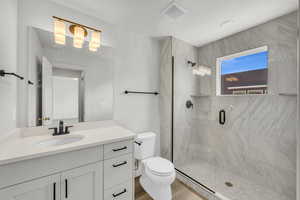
[193, 151]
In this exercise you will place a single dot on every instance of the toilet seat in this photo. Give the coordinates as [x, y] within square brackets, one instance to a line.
[159, 166]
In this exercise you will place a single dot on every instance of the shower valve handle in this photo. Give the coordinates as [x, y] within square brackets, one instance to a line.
[189, 104]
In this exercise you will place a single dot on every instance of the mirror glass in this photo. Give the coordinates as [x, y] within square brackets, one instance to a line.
[67, 83]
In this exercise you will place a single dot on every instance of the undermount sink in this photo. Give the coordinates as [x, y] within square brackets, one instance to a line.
[60, 140]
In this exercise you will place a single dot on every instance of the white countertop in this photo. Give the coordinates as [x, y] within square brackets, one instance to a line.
[18, 148]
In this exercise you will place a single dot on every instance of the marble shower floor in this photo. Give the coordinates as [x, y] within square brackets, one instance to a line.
[215, 179]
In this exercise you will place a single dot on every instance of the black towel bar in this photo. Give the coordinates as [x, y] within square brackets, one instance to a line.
[136, 92]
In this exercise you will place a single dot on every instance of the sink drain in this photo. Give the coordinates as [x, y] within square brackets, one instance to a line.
[228, 184]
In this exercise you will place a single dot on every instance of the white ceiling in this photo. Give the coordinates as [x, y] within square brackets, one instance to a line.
[200, 25]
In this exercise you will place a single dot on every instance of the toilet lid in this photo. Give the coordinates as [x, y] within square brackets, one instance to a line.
[160, 166]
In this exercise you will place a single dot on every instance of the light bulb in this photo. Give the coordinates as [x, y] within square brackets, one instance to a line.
[92, 47]
[78, 39]
[95, 39]
[59, 32]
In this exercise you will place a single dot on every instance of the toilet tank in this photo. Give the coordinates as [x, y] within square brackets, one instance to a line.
[147, 147]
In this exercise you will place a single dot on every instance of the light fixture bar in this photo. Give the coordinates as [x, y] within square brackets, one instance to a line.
[71, 22]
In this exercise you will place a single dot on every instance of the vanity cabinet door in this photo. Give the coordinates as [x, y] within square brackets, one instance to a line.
[47, 188]
[84, 183]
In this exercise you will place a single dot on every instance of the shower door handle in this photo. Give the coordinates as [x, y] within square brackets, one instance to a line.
[222, 117]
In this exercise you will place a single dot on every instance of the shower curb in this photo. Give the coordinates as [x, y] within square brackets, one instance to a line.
[198, 188]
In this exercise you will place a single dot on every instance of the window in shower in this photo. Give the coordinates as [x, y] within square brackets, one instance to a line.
[243, 73]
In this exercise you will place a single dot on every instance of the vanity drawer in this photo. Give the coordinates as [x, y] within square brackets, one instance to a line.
[117, 149]
[118, 170]
[120, 192]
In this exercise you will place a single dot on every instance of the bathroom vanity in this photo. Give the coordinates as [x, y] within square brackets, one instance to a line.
[91, 164]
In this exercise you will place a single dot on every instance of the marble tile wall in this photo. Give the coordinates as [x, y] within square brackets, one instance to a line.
[256, 149]
[165, 97]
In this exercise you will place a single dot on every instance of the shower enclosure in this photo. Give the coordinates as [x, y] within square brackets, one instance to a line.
[232, 131]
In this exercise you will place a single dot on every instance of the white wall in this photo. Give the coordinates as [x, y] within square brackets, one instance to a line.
[137, 68]
[8, 57]
[99, 92]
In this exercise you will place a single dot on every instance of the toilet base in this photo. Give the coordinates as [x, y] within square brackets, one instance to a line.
[156, 191]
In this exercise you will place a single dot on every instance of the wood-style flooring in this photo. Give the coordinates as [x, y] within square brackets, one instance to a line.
[180, 192]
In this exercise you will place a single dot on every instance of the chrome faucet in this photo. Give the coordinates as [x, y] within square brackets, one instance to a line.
[61, 130]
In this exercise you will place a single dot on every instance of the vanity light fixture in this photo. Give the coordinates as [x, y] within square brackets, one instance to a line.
[79, 32]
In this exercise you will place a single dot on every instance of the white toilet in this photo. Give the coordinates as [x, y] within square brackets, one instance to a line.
[157, 173]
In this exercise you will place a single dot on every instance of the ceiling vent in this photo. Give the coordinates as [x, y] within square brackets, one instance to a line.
[174, 10]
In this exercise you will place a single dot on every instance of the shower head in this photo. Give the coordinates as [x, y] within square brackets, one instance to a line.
[192, 64]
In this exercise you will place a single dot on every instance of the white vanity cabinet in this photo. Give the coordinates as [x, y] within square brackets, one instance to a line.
[76, 184]
[47, 188]
[98, 173]
[84, 183]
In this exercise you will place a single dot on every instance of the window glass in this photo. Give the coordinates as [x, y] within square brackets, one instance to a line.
[244, 73]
